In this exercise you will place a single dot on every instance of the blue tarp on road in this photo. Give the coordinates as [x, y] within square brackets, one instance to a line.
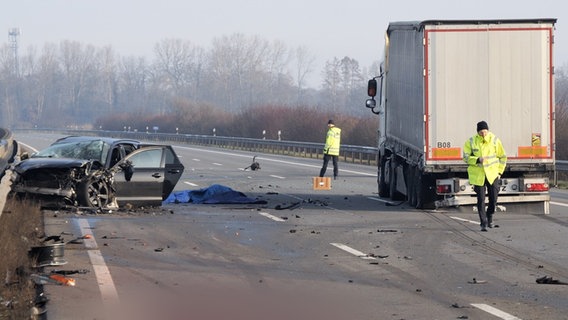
[214, 194]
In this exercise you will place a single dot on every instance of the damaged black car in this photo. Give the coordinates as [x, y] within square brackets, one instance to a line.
[98, 172]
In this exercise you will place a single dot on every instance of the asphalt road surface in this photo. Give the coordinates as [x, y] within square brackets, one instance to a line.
[338, 254]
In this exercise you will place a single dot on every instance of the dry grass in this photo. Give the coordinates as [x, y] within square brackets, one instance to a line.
[21, 227]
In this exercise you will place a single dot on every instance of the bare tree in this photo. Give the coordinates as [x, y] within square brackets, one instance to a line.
[238, 69]
[132, 84]
[8, 86]
[173, 59]
[80, 71]
[332, 83]
[561, 111]
[304, 67]
[108, 74]
[42, 76]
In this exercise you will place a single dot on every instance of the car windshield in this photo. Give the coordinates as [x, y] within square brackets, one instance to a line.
[87, 150]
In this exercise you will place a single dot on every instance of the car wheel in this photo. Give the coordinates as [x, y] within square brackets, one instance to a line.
[94, 193]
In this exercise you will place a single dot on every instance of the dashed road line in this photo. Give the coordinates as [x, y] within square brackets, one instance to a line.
[269, 216]
[378, 199]
[354, 252]
[277, 177]
[191, 184]
[489, 309]
[465, 220]
[494, 311]
[217, 164]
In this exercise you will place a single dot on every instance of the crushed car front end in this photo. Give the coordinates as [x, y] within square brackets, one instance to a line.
[56, 178]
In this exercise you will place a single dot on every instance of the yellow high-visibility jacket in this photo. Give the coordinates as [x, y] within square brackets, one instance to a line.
[494, 158]
[332, 141]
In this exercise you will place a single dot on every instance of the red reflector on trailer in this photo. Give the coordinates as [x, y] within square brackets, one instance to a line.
[443, 188]
[536, 187]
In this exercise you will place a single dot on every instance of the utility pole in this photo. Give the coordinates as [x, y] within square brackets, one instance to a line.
[13, 34]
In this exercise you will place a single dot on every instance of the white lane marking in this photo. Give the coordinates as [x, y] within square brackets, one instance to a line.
[191, 184]
[354, 252]
[217, 164]
[494, 311]
[559, 204]
[380, 200]
[465, 220]
[269, 216]
[195, 159]
[102, 273]
[277, 177]
[275, 160]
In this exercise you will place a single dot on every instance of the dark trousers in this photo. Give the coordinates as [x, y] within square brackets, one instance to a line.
[486, 216]
[334, 159]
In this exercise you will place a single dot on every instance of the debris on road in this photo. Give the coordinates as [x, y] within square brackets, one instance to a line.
[291, 206]
[69, 272]
[56, 279]
[386, 230]
[254, 166]
[549, 280]
[475, 281]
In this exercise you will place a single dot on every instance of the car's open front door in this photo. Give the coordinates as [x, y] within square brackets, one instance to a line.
[140, 177]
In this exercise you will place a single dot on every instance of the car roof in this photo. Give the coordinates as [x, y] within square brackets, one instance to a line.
[89, 138]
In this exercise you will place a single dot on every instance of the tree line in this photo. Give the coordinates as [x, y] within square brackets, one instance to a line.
[74, 84]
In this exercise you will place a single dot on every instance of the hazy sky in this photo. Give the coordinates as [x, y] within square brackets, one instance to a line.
[328, 28]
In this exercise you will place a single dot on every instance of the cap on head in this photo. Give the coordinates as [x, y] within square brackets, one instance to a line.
[482, 125]
[330, 122]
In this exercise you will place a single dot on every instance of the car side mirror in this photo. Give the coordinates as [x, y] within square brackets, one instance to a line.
[128, 169]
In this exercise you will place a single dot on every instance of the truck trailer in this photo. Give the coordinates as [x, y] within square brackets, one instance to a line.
[438, 79]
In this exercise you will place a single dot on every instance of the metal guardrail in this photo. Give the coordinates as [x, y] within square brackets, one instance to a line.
[561, 165]
[348, 153]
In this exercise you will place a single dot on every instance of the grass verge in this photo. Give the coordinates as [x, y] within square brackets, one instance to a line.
[21, 227]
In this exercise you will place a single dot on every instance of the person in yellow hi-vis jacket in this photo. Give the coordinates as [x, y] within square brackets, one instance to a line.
[331, 149]
[486, 159]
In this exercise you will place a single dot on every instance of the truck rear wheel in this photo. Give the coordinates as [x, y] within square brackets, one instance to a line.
[418, 189]
[393, 176]
[383, 187]
[411, 185]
